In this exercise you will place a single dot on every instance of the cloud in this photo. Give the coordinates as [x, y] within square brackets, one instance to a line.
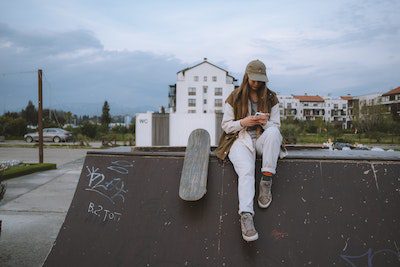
[77, 69]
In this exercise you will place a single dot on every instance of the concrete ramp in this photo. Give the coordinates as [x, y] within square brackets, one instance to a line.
[126, 212]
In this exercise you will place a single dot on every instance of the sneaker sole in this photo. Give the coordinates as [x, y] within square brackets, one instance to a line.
[264, 206]
[250, 238]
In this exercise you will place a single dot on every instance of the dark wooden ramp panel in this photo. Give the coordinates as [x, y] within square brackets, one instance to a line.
[126, 212]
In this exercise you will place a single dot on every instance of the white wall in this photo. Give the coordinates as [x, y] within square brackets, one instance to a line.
[144, 129]
[181, 125]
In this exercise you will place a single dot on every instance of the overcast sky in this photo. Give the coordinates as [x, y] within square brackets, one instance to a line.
[128, 52]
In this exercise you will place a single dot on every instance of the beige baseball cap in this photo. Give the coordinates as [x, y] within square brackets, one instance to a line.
[256, 71]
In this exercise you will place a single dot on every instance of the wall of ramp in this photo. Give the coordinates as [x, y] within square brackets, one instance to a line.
[126, 212]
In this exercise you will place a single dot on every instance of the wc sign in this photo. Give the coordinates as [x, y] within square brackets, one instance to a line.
[143, 121]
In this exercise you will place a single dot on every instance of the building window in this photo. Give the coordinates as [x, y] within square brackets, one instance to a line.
[205, 88]
[192, 111]
[192, 90]
[214, 78]
[204, 101]
[204, 111]
[218, 91]
[196, 78]
[218, 102]
[335, 106]
[306, 104]
[205, 78]
[344, 106]
[315, 104]
[192, 102]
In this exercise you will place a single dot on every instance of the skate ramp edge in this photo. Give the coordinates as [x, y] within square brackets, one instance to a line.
[326, 211]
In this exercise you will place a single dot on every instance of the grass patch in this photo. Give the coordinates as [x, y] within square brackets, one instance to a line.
[350, 138]
[26, 168]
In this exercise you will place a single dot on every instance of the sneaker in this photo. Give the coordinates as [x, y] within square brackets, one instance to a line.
[249, 233]
[265, 195]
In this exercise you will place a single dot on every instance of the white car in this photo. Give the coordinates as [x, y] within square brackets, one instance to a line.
[50, 134]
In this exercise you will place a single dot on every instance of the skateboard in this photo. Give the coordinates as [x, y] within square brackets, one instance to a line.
[193, 184]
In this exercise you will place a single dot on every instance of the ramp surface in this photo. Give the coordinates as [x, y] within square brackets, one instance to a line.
[127, 212]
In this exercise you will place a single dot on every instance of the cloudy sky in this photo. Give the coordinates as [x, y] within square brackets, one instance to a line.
[128, 52]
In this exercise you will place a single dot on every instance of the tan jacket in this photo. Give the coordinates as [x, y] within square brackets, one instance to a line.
[231, 123]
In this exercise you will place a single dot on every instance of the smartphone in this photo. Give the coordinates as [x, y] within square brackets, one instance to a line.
[259, 113]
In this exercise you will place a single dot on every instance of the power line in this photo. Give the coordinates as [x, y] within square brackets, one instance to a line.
[17, 73]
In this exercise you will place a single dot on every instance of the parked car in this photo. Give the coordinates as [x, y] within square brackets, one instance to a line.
[50, 134]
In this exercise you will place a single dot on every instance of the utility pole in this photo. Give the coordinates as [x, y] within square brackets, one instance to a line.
[40, 111]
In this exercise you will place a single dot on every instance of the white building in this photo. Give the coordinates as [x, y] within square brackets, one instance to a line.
[289, 107]
[369, 100]
[201, 89]
[308, 107]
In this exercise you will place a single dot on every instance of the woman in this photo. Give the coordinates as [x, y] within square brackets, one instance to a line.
[251, 124]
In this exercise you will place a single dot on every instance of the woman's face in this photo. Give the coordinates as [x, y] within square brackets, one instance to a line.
[255, 85]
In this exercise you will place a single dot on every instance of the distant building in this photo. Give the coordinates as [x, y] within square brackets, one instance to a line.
[391, 100]
[127, 120]
[309, 107]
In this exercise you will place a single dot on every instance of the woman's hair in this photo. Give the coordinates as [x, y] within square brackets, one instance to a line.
[243, 96]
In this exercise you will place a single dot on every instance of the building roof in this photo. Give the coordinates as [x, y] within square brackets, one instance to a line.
[309, 98]
[394, 91]
[347, 97]
[205, 61]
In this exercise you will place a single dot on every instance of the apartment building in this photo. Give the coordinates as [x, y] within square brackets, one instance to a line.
[391, 100]
[202, 88]
[309, 107]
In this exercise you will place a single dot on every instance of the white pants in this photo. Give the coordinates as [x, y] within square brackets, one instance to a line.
[243, 159]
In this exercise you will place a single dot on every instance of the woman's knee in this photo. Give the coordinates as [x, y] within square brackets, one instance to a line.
[244, 168]
[273, 132]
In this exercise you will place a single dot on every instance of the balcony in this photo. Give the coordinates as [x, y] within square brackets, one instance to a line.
[314, 112]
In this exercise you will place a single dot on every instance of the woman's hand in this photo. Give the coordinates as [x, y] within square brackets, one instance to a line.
[259, 119]
[262, 118]
[249, 121]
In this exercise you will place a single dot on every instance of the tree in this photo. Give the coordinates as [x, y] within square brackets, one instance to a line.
[105, 116]
[68, 117]
[30, 113]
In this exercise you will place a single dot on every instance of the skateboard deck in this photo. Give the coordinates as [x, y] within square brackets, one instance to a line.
[193, 184]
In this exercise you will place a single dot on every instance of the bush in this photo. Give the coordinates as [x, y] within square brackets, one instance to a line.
[28, 168]
[83, 140]
[119, 129]
[109, 140]
[89, 129]
[129, 140]
[10, 126]
[290, 133]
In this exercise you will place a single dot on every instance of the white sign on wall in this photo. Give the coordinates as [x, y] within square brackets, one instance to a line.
[144, 129]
